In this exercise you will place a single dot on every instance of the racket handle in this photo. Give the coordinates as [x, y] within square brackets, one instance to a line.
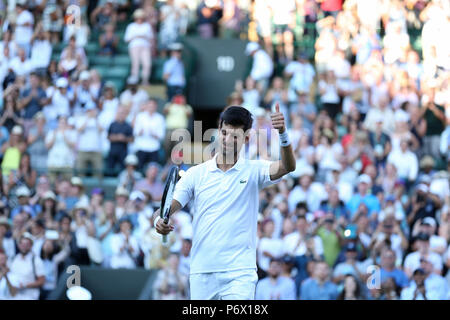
[164, 239]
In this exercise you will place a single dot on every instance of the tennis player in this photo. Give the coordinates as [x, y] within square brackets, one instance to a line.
[225, 192]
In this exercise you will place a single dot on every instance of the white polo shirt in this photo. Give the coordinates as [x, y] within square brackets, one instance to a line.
[225, 213]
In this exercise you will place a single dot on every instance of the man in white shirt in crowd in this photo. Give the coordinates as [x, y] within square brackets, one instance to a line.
[301, 74]
[89, 142]
[24, 27]
[224, 192]
[133, 97]
[262, 67]
[27, 270]
[149, 130]
[124, 246]
[405, 161]
[275, 286]
[313, 193]
[297, 243]
[428, 226]
[41, 51]
[383, 112]
[21, 65]
[422, 245]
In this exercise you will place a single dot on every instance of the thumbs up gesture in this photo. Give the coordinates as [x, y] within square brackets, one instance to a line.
[278, 119]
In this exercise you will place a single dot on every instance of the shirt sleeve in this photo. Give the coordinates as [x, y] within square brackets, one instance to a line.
[184, 189]
[264, 174]
[40, 270]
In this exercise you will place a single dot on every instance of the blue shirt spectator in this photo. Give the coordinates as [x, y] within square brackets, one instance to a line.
[275, 286]
[319, 287]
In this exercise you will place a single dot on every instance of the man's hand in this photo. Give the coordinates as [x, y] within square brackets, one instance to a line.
[278, 119]
[164, 228]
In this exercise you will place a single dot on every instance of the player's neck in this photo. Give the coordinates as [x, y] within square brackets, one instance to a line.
[224, 163]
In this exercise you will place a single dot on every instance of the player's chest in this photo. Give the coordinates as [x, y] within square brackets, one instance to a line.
[219, 185]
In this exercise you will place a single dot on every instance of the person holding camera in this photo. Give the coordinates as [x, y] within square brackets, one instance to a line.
[423, 204]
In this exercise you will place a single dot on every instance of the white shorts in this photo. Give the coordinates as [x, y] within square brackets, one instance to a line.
[228, 285]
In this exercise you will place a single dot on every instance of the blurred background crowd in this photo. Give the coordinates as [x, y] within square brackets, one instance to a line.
[85, 144]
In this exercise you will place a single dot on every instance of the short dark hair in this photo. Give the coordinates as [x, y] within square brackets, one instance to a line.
[237, 117]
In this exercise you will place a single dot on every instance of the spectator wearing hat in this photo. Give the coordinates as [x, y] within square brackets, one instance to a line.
[120, 135]
[421, 250]
[129, 176]
[363, 196]
[319, 287]
[419, 290]
[428, 226]
[89, 148]
[262, 67]
[60, 143]
[78, 191]
[133, 97]
[27, 270]
[12, 151]
[125, 247]
[349, 266]
[139, 36]
[151, 183]
[423, 204]
[7, 244]
[61, 100]
[173, 72]
[121, 198]
[148, 130]
[23, 195]
[275, 286]
[82, 93]
[36, 143]
[49, 211]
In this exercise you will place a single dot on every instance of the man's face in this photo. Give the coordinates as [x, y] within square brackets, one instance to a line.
[321, 271]
[34, 81]
[25, 246]
[274, 269]
[419, 278]
[23, 200]
[388, 259]
[152, 172]
[231, 139]
[363, 187]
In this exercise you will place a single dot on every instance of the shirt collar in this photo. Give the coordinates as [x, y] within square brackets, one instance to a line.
[212, 166]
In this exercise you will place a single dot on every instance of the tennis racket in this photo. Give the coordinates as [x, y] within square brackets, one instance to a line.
[167, 197]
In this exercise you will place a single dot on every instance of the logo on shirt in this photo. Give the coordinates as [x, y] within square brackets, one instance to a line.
[243, 181]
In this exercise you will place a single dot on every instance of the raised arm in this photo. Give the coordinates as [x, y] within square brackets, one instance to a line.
[287, 163]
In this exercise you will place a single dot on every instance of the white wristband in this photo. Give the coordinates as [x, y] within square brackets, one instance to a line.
[156, 221]
[284, 139]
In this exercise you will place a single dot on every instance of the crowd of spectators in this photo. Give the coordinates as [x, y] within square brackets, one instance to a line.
[364, 216]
